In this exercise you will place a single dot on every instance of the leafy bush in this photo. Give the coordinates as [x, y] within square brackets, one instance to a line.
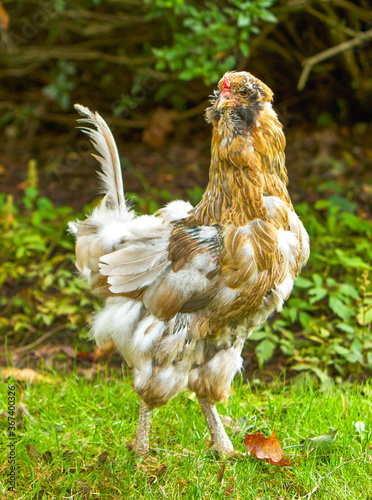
[208, 36]
[324, 329]
[41, 291]
[127, 57]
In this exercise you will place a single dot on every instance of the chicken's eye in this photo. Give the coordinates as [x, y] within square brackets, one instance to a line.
[243, 92]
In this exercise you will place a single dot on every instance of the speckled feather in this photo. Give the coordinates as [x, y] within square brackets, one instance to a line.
[186, 286]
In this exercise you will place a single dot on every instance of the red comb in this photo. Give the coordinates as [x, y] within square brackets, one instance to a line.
[226, 83]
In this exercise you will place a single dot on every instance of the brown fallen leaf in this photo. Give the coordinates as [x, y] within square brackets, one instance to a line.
[267, 449]
[39, 495]
[231, 424]
[47, 457]
[32, 452]
[85, 355]
[153, 471]
[230, 490]
[85, 489]
[104, 351]
[102, 458]
[221, 472]
[21, 185]
[67, 350]
[4, 17]
[159, 471]
[26, 375]
[160, 125]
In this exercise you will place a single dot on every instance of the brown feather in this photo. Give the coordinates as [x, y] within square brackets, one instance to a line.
[216, 271]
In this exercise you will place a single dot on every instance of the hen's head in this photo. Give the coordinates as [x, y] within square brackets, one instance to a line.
[237, 102]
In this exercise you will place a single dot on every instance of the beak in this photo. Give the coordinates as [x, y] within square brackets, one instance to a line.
[225, 99]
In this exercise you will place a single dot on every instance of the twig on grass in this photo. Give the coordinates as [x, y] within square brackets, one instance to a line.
[316, 487]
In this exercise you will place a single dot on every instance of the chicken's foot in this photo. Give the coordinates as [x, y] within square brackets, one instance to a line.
[141, 443]
[221, 442]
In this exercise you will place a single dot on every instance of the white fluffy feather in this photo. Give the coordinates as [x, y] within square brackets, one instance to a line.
[108, 157]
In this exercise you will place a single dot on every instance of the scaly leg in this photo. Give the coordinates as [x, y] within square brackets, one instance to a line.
[221, 442]
[141, 443]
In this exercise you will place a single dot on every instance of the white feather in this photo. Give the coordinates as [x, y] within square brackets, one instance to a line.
[175, 210]
[108, 158]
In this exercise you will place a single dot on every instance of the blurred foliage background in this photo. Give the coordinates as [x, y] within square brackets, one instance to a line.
[148, 67]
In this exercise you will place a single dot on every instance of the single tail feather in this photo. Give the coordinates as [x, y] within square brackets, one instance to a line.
[108, 157]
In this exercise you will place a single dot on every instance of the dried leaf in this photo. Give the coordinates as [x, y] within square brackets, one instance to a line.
[160, 125]
[38, 495]
[102, 458]
[104, 351]
[221, 472]
[22, 185]
[262, 447]
[231, 424]
[4, 17]
[32, 452]
[85, 355]
[322, 442]
[71, 470]
[25, 375]
[153, 470]
[68, 454]
[182, 484]
[227, 421]
[230, 490]
[47, 457]
[84, 487]
[68, 351]
[159, 471]
[267, 449]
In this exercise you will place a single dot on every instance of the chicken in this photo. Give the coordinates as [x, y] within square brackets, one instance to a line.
[186, 286]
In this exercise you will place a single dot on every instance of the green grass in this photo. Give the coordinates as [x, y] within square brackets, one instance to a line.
[91, 417]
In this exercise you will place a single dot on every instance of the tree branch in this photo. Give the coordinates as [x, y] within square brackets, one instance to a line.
[327, 54]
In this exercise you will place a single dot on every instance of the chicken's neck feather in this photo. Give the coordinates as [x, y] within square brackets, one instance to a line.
[245, 167]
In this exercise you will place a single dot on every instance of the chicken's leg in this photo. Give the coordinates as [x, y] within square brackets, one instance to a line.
[221, 442]
[141, 443]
